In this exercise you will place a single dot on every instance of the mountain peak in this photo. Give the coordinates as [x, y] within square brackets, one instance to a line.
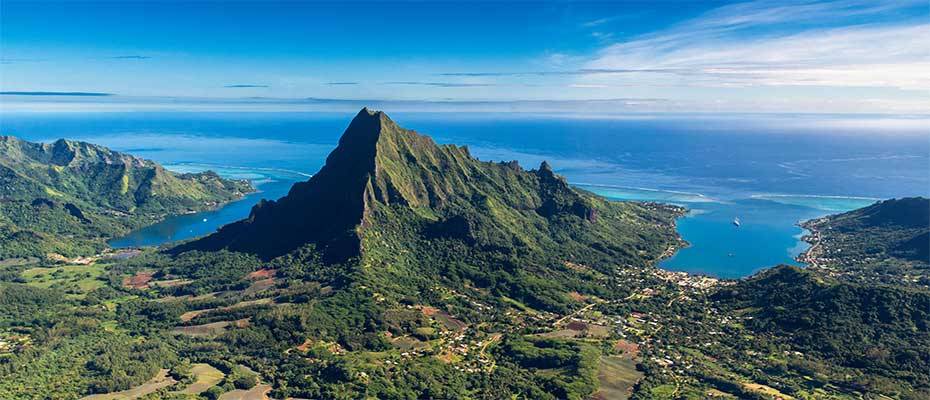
[377, 166]
[93, 193]
[324, 210]
[367, 120]
[64, 152]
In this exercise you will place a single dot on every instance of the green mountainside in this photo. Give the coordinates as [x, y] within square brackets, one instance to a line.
[888, 241]
[857, 319]
[380, 171]
[876, 336]
[409, 212]
[68, 197]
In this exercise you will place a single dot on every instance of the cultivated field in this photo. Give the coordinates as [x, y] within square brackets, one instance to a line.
[617, 376]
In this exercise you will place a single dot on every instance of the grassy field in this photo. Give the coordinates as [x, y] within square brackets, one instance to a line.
[666, 391]
[616, 376]
[193, 314]
[205, 330]
[211, 329]
[75, 280]
[590, 331]
[767, 390]
[259, 392]
[160, 380]
[205, 377]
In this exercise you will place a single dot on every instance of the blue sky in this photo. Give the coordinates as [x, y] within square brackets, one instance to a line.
[757, 56]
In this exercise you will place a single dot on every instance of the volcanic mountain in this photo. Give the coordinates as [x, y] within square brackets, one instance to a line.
[385, 190]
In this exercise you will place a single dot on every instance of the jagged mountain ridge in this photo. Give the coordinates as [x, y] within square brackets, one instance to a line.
[49, 191]
[379, 165]
[86, 173]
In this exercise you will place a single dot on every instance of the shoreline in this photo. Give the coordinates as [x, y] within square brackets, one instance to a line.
[814, 238]
[164, 217]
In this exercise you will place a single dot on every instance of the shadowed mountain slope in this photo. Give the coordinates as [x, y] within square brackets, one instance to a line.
[379, 166]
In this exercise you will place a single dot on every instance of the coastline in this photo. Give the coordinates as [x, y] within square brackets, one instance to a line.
[811, 257]
[186, 226]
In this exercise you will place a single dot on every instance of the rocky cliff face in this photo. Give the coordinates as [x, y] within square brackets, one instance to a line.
[378, 166]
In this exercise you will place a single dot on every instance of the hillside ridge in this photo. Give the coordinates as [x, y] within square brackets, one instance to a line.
[68, 197]
[378, 164]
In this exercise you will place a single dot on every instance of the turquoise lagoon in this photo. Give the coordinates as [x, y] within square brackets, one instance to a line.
[768, 233]
[769, 171]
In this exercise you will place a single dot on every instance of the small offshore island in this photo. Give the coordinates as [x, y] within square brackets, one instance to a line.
[405, 269]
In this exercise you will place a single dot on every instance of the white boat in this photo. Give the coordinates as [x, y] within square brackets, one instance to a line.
[736, 222]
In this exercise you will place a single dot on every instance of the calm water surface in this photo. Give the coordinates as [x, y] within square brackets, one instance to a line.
[770, 172]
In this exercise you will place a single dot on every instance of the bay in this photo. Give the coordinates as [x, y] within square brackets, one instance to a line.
[769, 171]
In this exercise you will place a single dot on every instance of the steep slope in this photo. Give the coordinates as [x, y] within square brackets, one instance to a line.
[407, 212]
[322, 211]
[381, 173]
[446, 265]
[908, 212]
[68, 197]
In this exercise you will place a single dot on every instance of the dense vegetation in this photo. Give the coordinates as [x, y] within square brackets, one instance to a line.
[882, 331]
[407, 270]
[888, 242]
[854, 323]
[68, 197]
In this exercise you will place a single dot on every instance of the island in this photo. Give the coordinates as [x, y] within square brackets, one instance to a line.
[407, 269]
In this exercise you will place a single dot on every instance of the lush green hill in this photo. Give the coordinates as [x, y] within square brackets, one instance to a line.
[411, 212]
[878, 333]
[400, 242]
[888, 242]
[67, 197]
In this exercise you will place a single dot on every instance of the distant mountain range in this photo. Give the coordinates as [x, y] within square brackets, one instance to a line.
[68, 197]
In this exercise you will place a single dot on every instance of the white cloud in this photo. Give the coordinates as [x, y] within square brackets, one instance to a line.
[776, 44]
[597, 22]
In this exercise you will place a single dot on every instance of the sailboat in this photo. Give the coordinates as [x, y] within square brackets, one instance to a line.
[736, 222]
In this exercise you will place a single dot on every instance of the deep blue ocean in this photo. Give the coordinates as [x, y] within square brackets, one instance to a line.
[768, 171]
